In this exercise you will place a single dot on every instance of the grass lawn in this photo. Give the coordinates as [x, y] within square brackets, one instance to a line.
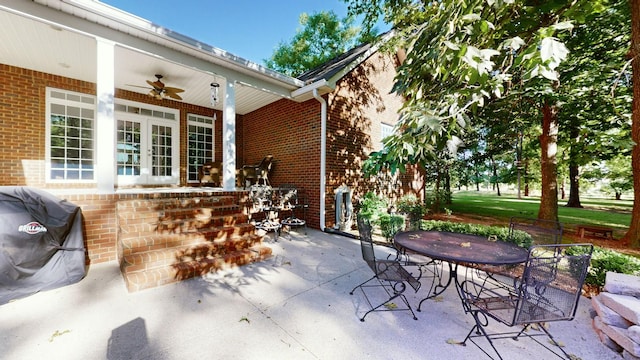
[597, 211]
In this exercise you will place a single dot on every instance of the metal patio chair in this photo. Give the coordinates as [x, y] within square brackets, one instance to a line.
[541, 231]
[433, 273]
[258, 172]
[210, 173]
[548, 291]
[292, 200]
[525, 232]
[261, 203]
[389, 275]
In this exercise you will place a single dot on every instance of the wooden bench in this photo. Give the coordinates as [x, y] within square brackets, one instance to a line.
[603, 231]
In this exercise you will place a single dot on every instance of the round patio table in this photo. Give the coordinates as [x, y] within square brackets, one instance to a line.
[461, 248]
[456, 248]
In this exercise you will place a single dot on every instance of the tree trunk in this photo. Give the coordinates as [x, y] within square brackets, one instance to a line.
[632, 237]
[475, 168]
[496, 185]
[548, 163]
[526, 178]
[447, 186]
[574, 170]
[574, 190]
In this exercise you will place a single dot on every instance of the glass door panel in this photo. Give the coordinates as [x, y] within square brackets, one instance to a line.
[128, 149]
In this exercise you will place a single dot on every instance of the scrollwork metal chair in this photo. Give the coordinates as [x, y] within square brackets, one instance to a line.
[261, 203]
[541, 231]
[389, 275]
[548, 290]
[258, 172]
[524, 232]
[210, 173]
[291, 200]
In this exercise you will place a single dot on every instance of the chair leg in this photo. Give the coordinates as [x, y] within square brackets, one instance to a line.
[396, 291]
[480, 332]
[552, 340]
[432, 273]
[360, 285]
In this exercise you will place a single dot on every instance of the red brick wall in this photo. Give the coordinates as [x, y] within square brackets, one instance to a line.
[23, 111]
[289, 131]
[356, 108]
[100, 225]
[361, 102]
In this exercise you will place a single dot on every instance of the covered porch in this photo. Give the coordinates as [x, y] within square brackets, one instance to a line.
[121, 57]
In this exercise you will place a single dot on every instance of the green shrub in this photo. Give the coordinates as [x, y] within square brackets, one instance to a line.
[520, 238]
[413, 208]
[372, 206]
[605, 260]
[390, 225]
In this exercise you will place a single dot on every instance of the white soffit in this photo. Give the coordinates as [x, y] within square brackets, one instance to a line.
[43, 45]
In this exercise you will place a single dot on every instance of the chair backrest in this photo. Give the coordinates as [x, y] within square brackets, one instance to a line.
[288, 195]
[366, 242]
[551, 284]
[210, 172]
[266, 162]
[260, 195]
[541, 231]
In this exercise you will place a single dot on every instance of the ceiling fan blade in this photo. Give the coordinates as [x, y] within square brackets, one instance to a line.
[173, 89]
[173, 96]
[142, 87]
[156, 84]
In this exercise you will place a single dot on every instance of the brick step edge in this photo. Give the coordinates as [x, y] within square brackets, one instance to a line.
[167, 256]
[170, 274]
[127, 233]
[164, 241]
[168, 203]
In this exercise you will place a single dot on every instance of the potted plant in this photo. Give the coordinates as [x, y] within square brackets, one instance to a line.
[413, 208]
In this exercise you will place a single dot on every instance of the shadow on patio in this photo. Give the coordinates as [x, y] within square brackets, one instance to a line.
[295, 305]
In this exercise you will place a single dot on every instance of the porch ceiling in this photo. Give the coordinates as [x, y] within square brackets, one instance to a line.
[46, 46]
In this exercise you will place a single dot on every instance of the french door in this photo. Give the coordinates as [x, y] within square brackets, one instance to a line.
[147, 151]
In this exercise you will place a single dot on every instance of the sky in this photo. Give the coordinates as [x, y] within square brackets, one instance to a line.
[251, 29]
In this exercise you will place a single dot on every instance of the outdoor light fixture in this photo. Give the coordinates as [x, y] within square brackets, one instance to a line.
[215, 87]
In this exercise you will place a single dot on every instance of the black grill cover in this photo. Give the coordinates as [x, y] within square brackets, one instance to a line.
[41, 242]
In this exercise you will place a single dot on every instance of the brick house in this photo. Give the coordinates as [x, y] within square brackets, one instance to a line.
[77, 119]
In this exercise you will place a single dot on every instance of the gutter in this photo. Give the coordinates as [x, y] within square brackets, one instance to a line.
[323, 155]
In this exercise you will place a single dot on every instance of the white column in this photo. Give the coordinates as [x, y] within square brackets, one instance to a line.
[105, 154]
[229, 136]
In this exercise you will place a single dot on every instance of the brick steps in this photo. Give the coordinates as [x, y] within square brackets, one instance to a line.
[168, 238]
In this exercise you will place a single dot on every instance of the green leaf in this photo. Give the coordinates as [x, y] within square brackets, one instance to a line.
[471, 17]
[553, 50]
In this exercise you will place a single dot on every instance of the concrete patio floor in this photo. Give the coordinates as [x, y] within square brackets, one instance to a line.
[294, 306]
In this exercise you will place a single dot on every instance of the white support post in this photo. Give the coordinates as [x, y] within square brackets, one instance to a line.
[105, 132]
[229, 137]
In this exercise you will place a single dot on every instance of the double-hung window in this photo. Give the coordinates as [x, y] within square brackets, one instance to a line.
[70, 143]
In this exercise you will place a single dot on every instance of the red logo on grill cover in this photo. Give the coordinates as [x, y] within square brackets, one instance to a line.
[32, 228]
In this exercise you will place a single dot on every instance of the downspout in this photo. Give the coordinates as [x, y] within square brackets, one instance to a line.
[323, 155]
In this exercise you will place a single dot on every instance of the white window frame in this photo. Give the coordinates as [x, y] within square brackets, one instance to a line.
[84, 103]
[145, 113]
[205, 122]
[385, 130]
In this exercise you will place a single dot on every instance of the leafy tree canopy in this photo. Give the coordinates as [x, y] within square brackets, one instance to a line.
[463, 54]
[322, 36]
